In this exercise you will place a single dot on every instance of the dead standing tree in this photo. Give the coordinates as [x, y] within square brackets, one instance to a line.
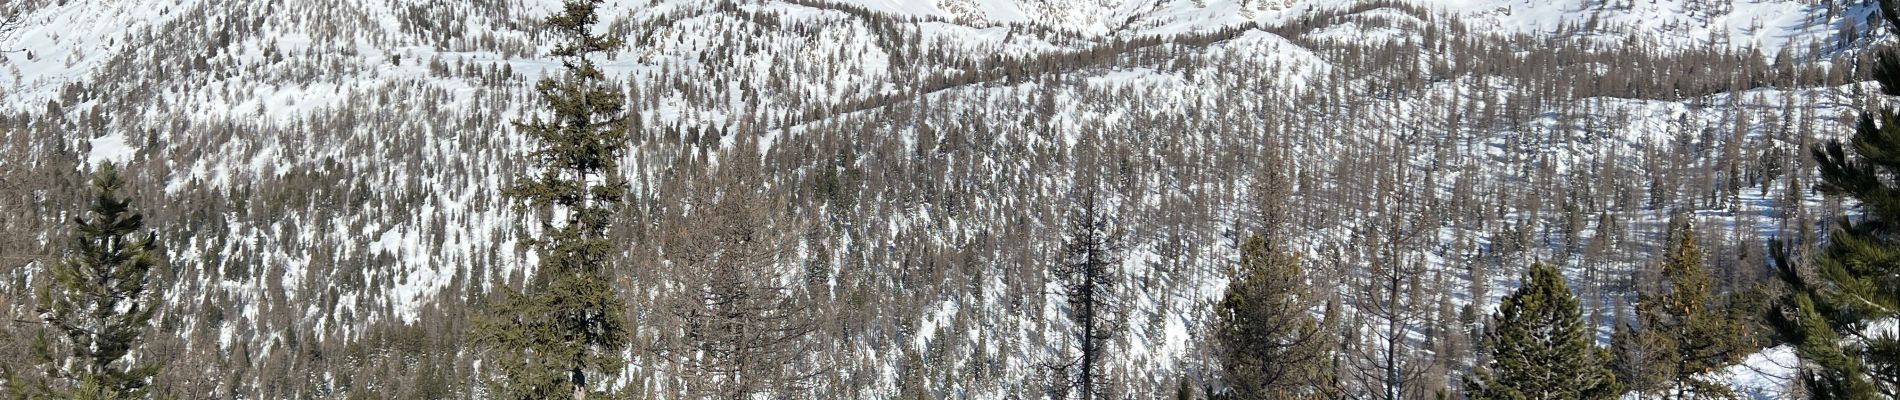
[1390, 294]
[1088, 280]
[744, 329]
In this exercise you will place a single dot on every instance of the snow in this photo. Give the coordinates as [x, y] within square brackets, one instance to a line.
[1769, 25]
[65, 42]
[900, 7]
[1765, 375]
[109, 148]
[1001, 11]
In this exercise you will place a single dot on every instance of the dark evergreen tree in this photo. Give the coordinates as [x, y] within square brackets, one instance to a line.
[1540, 348]
[1088, 280]
[1271, 347]
[1686, 333]
[562, 337]
[1855, 280]
[102, 299]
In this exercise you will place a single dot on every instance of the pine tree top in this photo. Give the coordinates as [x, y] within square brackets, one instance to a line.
[101, 299]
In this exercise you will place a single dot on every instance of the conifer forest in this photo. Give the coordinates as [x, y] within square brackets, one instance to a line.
[950, 199]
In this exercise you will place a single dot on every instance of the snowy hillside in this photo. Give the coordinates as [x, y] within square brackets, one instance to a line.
[326, 175]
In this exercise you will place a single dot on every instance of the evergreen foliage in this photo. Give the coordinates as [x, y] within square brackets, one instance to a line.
[1684, 331]
[101, 300]
[1540, 348]
[1855, 280]
[563, 336]
[1271, 346]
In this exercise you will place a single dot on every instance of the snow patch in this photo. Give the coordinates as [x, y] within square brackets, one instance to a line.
[110, 148]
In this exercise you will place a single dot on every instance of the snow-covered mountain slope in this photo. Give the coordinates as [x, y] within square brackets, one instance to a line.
[66, 42]
[326, 174]
[1768, 25]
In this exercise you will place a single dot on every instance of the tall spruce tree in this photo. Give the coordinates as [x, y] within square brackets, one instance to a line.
[1540, 348]
[562, 337]
[1855, 280]
[102, 299]
[1271, 347]
[1687, 335]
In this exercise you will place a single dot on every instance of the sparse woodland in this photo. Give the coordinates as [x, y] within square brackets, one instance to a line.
[818, 199]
